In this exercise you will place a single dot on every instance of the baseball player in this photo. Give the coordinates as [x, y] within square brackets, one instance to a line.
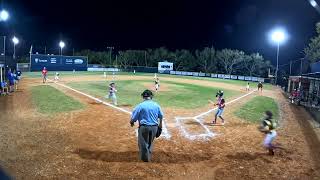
[156, 84]
[44, 74]
[268, 127]
[112, 93]
[248, 87]
[260, 86]
[221, 105]
[56, 77]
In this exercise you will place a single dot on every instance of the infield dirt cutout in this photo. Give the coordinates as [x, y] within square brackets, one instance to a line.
[98, 143]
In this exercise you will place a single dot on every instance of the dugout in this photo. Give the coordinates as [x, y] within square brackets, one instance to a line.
[309, 87]
[58, 63]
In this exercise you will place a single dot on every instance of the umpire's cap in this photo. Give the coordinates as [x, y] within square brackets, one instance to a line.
[147, 93]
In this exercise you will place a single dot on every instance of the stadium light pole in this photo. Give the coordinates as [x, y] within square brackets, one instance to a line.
[15, 41]
[61, 44]
[278, 36]
[4, 16]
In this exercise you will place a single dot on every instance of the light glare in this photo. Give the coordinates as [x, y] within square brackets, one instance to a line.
[15, 40]
[62, 44]
[313, 3]
[4, 15]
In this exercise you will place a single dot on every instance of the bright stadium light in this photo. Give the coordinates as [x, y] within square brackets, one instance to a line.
[313, 3]
[278, 36]
[61, 44]
[15, 40]
[4, 15]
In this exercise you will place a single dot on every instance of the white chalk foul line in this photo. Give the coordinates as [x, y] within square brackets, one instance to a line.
[208, 133]
[205, 113]
[165, 133]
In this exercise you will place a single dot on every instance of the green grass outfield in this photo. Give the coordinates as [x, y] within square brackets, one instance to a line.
[179, 95]
[253, 110]
[49, 100]
[86, 73]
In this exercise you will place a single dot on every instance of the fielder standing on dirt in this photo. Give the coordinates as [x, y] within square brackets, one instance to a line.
[149, 115]
[112, 93]
[44, 74]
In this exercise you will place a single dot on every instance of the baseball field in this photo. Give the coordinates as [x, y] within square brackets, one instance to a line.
[70, 130]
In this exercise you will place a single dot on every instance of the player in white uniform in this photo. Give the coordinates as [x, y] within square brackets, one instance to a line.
[56, 77]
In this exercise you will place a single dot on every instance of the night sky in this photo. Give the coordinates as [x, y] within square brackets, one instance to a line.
[175, 24]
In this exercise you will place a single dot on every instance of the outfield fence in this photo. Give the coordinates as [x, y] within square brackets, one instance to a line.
[220, 76]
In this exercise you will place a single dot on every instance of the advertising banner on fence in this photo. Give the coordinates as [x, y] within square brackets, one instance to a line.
[247, 78]
[58, 63]
[202, 74]
[165, 67]
[221, 76]
[241, 77]
[214, 75]
[227, 76]
[234, 77]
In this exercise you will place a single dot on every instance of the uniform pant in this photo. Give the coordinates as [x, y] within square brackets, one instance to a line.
[145, 141]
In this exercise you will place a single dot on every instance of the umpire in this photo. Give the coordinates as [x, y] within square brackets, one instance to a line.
[149, 115]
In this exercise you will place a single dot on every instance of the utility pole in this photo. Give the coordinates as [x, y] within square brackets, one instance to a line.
[110, 49]
[301, 66]
[45, 50]
[145, 58]
[290, 67]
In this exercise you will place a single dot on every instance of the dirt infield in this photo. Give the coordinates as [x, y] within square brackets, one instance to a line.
[98, 143]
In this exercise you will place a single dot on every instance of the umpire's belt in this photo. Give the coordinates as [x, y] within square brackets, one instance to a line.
[148, 125]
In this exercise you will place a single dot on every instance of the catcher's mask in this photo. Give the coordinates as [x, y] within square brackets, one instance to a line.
[147, 93]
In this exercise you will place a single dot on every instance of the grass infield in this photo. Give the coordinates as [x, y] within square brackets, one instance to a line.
[178, 95]
[254, 109]
[49, 100]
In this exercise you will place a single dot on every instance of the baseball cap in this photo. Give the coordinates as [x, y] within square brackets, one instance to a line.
[146, 93]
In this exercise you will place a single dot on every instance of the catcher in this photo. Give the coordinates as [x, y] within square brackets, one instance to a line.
[268, 127]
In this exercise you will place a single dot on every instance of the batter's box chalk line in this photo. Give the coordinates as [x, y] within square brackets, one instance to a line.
[165, 133]
[199, 119]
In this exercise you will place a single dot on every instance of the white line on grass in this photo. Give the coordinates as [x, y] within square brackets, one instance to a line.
[205, 113]
[165, 133]
[209, 134]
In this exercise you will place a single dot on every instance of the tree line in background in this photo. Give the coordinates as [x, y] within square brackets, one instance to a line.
[208, 60]
[312, 51]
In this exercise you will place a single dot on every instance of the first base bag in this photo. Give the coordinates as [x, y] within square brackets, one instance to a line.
[158, 132]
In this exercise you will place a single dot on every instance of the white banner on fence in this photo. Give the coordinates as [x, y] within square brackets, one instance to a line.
[227, 76]
[241, 77]
[247, 78]
[254, 79]
[202, 74]
[234, 77]
[189, 73]
[104, 69]
[195, 74]
[221, 76]
[165, 66]
[214, 75]
[172, 72]
[184, 73]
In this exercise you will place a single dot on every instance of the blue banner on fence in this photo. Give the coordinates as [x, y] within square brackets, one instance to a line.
[58, 63]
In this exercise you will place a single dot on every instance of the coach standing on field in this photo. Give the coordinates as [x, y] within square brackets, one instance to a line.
[149, 115]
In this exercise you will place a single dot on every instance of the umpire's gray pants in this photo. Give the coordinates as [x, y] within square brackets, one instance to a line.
[145, 139]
